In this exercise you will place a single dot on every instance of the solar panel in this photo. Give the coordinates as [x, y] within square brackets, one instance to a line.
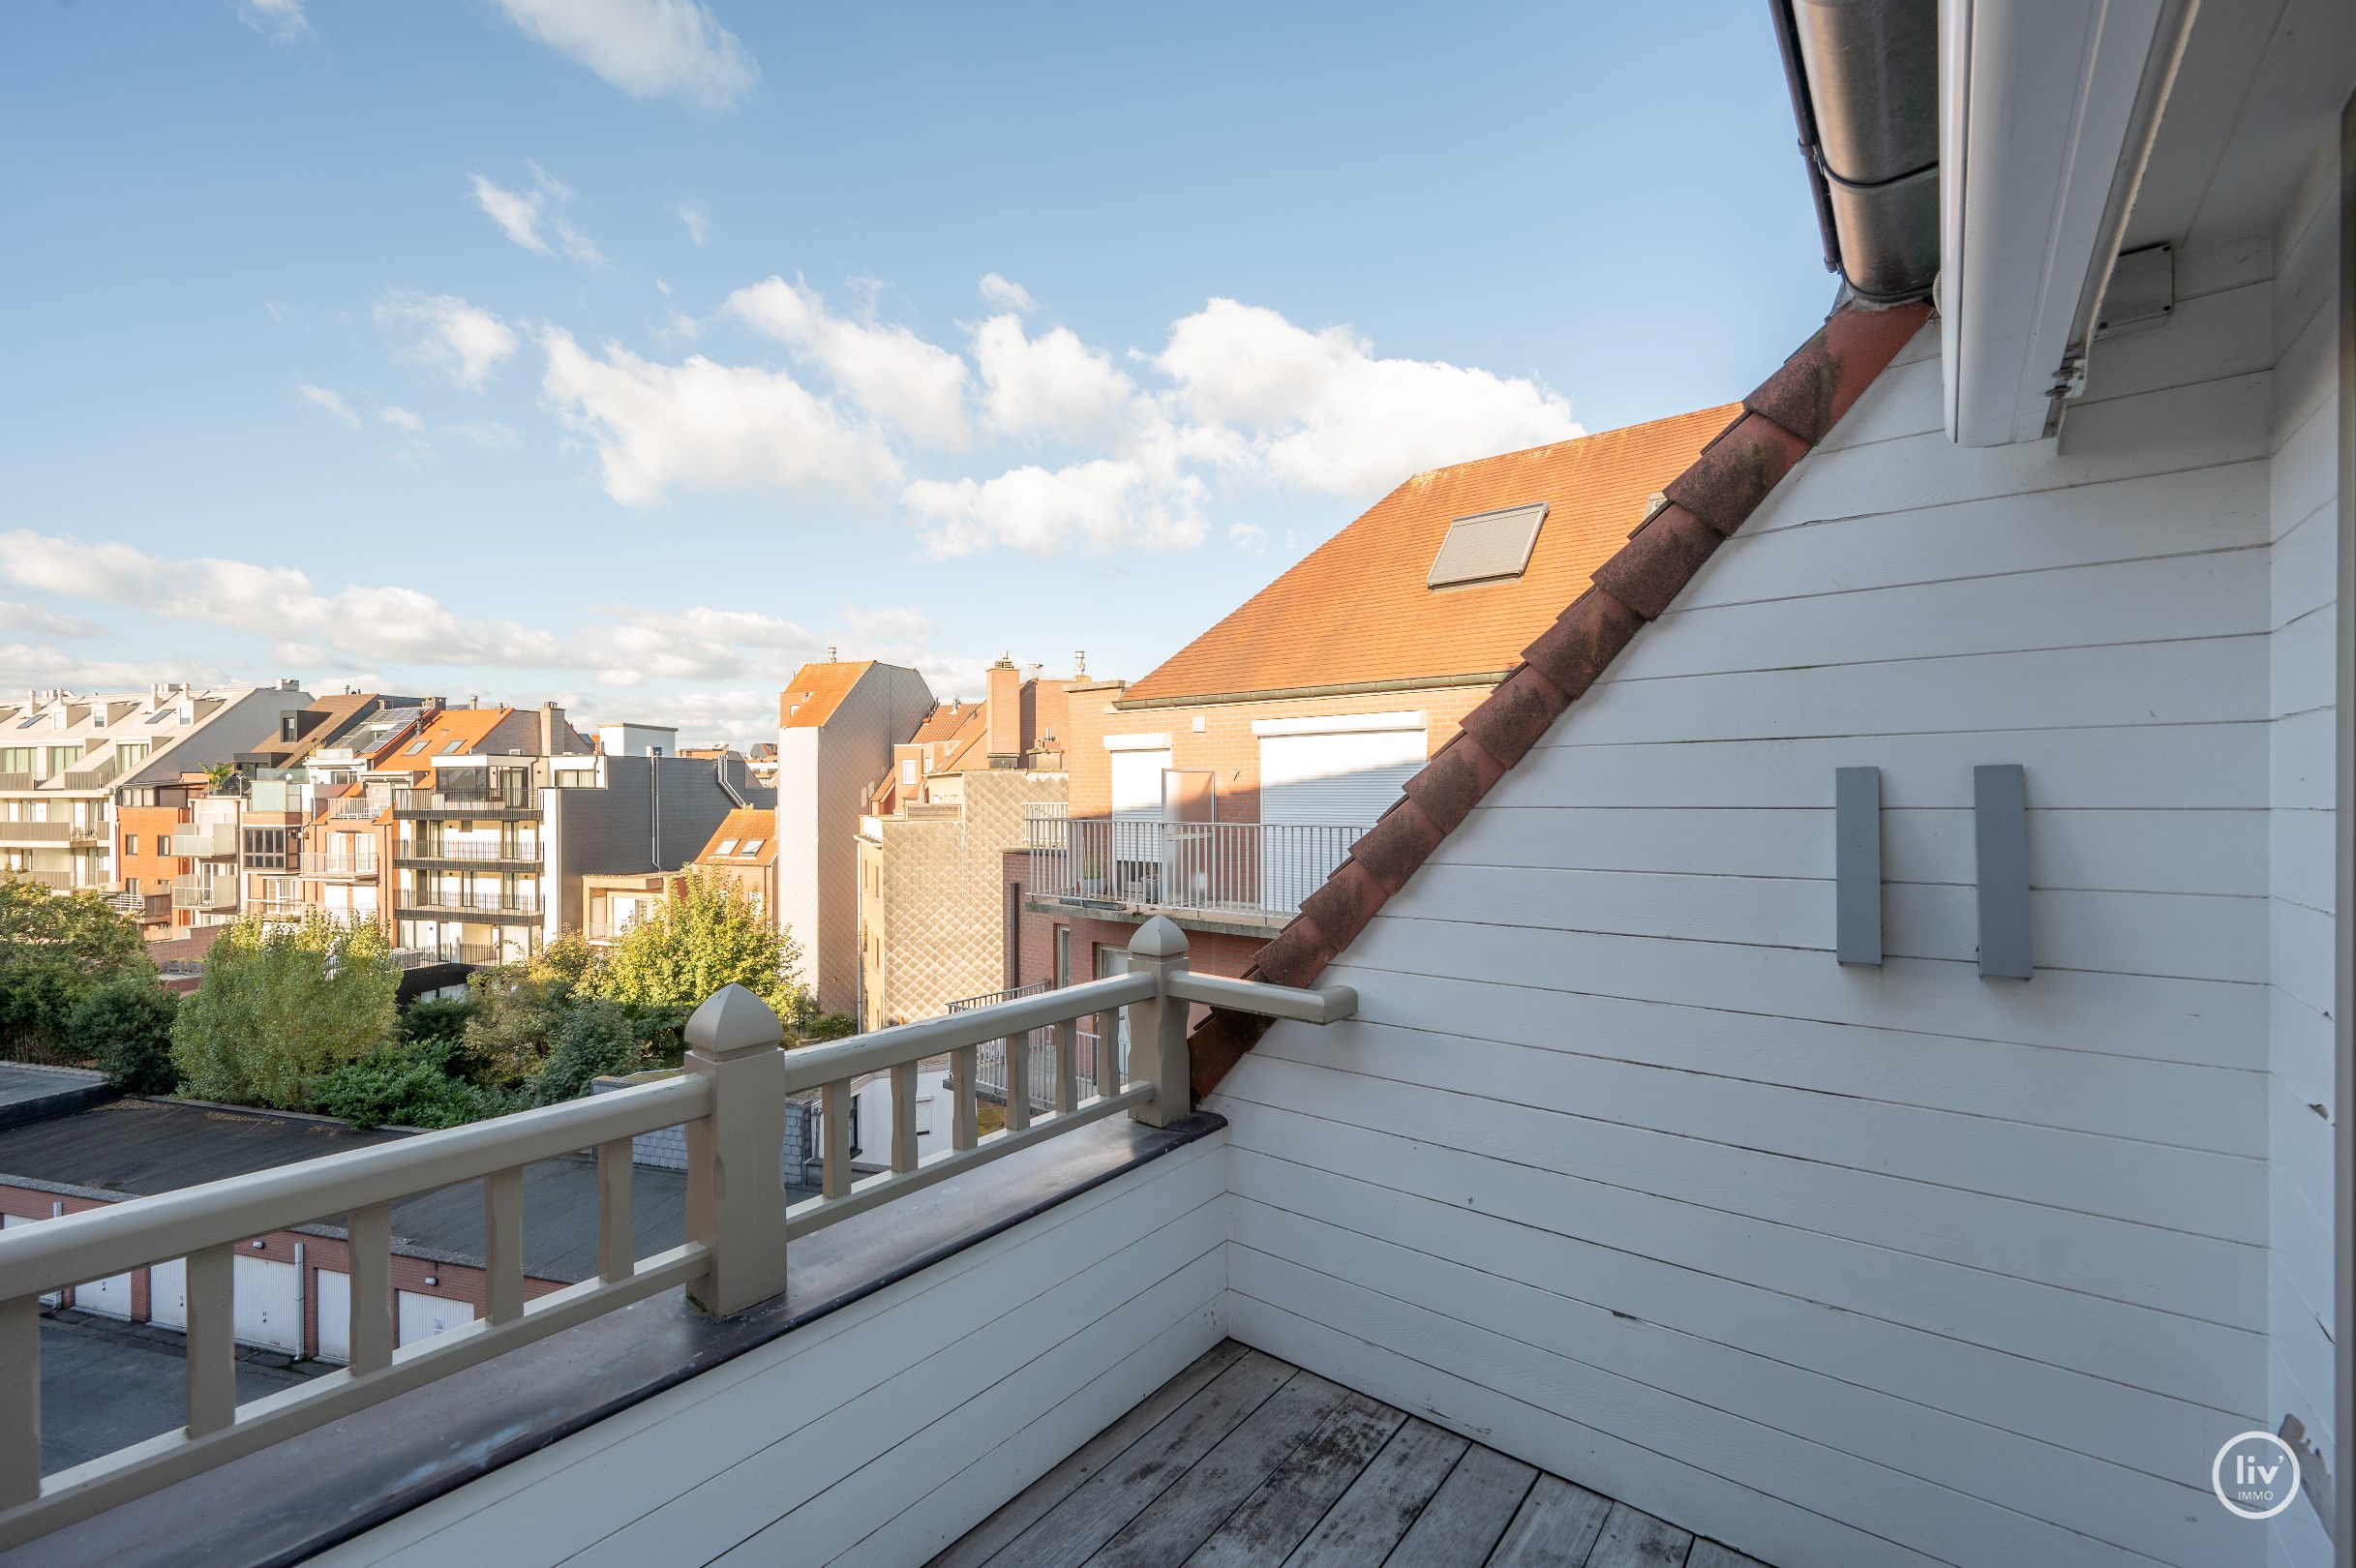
[1487, 546]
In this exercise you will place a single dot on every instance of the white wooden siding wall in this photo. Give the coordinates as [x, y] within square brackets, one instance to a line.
[2303, 496]
[1619, 1170]
[880, 1433]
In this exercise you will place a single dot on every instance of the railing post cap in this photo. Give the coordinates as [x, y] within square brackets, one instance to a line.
[733, 1019]
[1159, 938]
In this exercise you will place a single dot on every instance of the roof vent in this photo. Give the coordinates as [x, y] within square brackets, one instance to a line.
[1487, 547]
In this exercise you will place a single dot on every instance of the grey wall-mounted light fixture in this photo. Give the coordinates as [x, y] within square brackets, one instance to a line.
[2000, 818]
[1856, 861]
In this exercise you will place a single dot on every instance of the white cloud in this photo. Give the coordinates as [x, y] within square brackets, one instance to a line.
[320, 396]
[1248, 536]
[401, 418]
[704, 425]
[698, 218]
[1320, 411]
[484, 431]
[1052, 386]
[1005, 294]
[520, 215]
[1098, 505]
[645, 47]
[464, 342]
[704, 644]
[34, 620]
[281, 21]
[915, 386]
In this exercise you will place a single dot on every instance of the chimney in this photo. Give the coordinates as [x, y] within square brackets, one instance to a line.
[1004, 720]
[552, 720]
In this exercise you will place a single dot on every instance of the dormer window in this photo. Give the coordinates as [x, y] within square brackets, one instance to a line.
[1487, 547]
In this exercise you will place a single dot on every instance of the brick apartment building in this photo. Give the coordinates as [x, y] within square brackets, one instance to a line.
[1228, 783]
[936, 925]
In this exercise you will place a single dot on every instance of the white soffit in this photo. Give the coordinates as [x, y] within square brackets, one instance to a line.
[2038, 100]
[1340, 724]
[1487, 546]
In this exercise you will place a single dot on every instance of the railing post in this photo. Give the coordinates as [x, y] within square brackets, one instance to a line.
[736, 1193]
[1156, 1025]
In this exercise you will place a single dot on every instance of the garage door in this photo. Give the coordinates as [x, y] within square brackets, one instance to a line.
[109, 1297]
[167, 1294]
[333, 1286]
[1346, 769]
[422, 1316]
[266, 1303]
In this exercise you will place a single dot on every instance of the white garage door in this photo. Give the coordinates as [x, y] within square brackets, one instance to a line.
[335, 1314]
[266, 1303]
[1346, 769]
[422, 1316]
[109, 1297]
[167, 1294]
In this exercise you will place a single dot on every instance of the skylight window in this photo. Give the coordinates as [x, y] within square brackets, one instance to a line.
[728, 846]
[752, 846]
[1487, 547]
[450, 747]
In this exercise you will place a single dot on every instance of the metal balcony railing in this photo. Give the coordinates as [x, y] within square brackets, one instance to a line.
[354, 808]
[1246, 868]
[739, 1228]
[469, 850]
[460, 804]
[487, 903]
[35, 832]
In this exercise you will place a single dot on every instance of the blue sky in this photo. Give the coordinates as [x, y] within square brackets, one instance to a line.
[630, 351]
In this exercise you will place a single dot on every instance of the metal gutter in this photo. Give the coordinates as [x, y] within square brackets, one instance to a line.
[1290, 694]
[2343, 882]
[1864, 79]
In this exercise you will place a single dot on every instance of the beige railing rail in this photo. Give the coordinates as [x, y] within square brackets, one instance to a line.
[732, 1100]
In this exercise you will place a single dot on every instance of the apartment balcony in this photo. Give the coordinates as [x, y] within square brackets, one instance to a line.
[1004, 1299]
[463, 853]
[54, 881]
[146, 908]
[1243, 877]
[353, 808]
[205, 841]
[201, 892]
[98, 775]
[519, 905]
[423, 806]
[331, 867]
[13, 781]
[36, 832]
[282, 908]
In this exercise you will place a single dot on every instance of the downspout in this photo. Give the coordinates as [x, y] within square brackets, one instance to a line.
[727, 785]
[1864, 81]
[2343, 882]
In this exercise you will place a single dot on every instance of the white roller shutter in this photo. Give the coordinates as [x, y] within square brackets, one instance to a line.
[1345, 769]
[335, 1314]
[422, 1316]
[265, 1303]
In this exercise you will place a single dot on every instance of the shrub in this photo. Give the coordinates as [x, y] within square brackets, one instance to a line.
[280, 1006]
[403, 1083]
[595, 1039]
[125, 1027]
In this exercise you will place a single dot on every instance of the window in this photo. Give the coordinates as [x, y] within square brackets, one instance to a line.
[908, 772]
[728, 846]
[159, 716]
[17, 760]
[415, 746]
[1487, 547]
[449, 746]
[133, 751]
[62, 758]
[131, 847]
[752, 846]
[266, 848]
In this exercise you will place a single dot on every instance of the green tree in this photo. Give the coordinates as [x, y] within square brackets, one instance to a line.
[710, 934]
[55, 950]
[596, 1037]
[125, 1027]
[281, 1004]
[406, 1083]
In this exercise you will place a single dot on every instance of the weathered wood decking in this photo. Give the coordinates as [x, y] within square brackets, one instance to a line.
[1244, 1462]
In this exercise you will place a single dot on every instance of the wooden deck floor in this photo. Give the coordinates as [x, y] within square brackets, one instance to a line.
[1243, 1460]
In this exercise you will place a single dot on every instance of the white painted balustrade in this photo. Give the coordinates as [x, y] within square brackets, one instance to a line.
[731, 1098]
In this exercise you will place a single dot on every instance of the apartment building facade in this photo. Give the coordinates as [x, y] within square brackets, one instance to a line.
[1228, 783]
[837, 724]
[935, 922]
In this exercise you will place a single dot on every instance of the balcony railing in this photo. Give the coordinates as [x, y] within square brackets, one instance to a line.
[282, 906]
[36, 832]
[14, 780]
[1251, 869]
[54, 881]
[486, 903]
[318, 867]
[205, 841]
[469, 850]
[97, 774]
[201, 892]
[739, 1228]
[462, 804]
[354, 808]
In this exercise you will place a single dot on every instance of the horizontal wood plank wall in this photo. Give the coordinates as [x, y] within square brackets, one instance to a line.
[883, 1431]
[2301, 623]
[1617, 1169]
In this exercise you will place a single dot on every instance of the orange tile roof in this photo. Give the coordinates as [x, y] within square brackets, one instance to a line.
[744, 823]
[817, 691]
[1356, 609]
[944, 722]
[469, 726]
